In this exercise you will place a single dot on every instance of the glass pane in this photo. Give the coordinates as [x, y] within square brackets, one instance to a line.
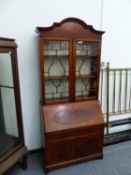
[6, 78]
[87, 48]
[86, 69]
[56, 70]
[8, 119]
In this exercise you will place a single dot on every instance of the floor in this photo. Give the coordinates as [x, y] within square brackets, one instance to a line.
[117, 161]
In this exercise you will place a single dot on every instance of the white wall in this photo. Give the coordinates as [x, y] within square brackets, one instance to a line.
[116, 40]
[18, 19]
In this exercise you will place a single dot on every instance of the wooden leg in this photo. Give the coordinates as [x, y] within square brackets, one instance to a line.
[24, 162]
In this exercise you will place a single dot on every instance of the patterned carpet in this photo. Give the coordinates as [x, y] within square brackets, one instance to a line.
[117, 161]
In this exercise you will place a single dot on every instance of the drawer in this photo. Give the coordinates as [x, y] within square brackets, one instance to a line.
[77, 132]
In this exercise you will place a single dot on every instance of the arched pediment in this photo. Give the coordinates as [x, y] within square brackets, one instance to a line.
[70, 24]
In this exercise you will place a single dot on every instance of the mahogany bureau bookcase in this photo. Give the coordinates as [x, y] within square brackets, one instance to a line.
[72, 118]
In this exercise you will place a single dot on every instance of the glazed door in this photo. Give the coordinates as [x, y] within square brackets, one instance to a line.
[9, 134]
[86, 56]
[56, 84]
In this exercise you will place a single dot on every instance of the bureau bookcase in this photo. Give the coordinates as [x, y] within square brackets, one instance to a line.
[70, 67]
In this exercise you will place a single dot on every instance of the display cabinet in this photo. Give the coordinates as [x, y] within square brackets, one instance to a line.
[12, 147]
[70, 67]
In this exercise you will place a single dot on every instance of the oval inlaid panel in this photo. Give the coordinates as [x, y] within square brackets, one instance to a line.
[73, 115]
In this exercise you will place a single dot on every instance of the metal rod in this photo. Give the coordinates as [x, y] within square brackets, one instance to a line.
[118, 69]
[125, 100]
[118, 113]
[130, 95]
[107, 109]
[3, 86]
[101, 85]
[120, 122]
[120, 84]
[114, 90]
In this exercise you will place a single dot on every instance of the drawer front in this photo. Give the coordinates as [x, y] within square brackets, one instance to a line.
[59, 151]
[89, 145]
[75, 132]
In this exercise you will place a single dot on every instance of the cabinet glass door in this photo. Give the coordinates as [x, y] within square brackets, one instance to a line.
[56, 70]
[86, 69]
[8, 117]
